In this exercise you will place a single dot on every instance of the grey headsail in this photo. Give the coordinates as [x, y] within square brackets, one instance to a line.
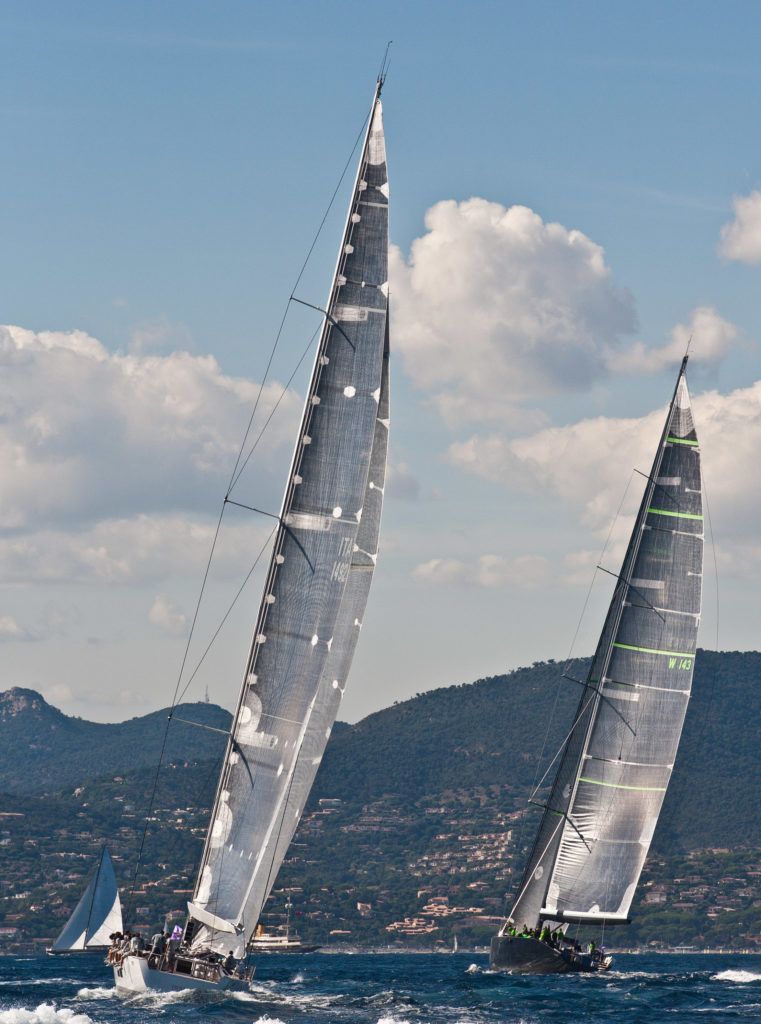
[97, 915]
[317, 583]
[617, 761]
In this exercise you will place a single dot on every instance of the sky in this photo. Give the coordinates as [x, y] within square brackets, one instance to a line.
[575, 194]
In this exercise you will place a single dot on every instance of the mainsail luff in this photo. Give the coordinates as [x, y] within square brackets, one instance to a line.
[610, 784]
[312, 607]
[348, 622]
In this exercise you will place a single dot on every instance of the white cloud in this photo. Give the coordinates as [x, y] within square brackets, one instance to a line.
[143, 549]
[496, 309]
[402, 482]
[157, 334]
[495, 306]
[58, 694]
[525, 572]
[11, 630]
[587, 464]
[164, 615]
[710, 338]
[86, 435]
[741, 238]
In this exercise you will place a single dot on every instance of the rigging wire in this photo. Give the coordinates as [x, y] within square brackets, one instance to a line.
[536, 783]
[715, 563]
[267, 422]
[238, 469]
[708, 718]
[224, 618]
[598, 567]
[234, 477]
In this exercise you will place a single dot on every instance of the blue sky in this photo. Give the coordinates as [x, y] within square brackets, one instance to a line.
[574, 189]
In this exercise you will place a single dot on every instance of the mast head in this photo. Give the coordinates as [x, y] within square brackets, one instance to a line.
[381, 79]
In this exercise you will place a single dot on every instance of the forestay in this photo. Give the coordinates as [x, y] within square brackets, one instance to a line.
[317, 584]
[616, 764]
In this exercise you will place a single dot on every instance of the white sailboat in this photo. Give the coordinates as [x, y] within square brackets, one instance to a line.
[311, 611]
[96, 917]
[617, 760]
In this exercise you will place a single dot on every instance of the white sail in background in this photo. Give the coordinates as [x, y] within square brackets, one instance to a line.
[617, 762]
[317, 583]
[97, 915]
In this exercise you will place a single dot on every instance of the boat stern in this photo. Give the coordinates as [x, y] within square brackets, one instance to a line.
[131, 975]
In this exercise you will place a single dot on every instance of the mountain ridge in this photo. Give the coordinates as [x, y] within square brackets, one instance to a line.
[426, 796]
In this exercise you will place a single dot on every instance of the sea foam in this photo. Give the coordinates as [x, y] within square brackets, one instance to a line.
[740, 977]
[45, 1013]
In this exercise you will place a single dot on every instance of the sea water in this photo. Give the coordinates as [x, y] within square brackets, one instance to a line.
[395, 988]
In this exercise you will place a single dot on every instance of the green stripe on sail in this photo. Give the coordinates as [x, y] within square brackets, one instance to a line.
[616, 785]
[680, 440]
[653, 650]
[679, 515]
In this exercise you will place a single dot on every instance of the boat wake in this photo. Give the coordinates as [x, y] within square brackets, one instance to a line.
[738, 977]
[12, 982]
[101, 992]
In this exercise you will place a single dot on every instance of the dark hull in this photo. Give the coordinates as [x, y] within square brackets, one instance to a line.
[521, 955]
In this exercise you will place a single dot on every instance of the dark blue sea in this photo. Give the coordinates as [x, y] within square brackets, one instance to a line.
[457, 988]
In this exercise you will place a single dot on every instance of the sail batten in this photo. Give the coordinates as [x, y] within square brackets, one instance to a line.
[319, 576]
[618, 758]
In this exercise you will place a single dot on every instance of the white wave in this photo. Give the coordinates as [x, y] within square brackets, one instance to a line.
[38, 981]
[161, 999]
[97, 993]
[268, 1020]
[259, 994]
[473, 969]
[628, 975]
[297, 979]
[392, 1020]
[741, 977]
[45, 1013]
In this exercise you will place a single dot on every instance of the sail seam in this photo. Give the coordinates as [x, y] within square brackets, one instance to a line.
[616, 785]
[631, 764]
[677, 611]
[660, 689]
[674, 532]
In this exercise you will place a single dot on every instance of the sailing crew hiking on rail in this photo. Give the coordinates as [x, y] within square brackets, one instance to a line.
[168, 954]
[557, 940]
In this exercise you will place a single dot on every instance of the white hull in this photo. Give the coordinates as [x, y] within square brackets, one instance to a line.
[279, 944]
[133, 975]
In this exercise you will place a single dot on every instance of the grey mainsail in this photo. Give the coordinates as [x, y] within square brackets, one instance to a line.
[97, 915]
[317, 583]
[617, 761]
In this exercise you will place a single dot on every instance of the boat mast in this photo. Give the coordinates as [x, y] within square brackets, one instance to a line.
[541, 861]
[284, 532]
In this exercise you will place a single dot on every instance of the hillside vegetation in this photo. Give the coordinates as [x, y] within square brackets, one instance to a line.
[432, 807]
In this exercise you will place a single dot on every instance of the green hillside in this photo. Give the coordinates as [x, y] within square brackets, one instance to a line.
[431, 826]
[42, 750]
